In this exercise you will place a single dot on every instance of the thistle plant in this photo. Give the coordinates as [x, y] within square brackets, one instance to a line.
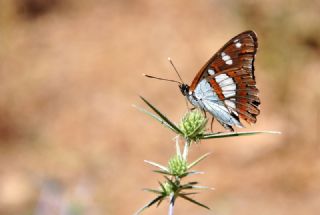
[191, 129]
[193, 125]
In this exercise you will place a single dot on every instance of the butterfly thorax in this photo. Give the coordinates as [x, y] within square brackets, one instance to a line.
[191, 97]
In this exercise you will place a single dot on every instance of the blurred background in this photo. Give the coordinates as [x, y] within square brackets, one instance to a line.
[71, 143]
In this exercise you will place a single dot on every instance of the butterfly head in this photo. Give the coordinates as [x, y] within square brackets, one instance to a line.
[184, 89]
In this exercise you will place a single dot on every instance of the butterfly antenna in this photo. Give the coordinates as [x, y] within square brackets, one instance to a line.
[175, 69]
[162, 79]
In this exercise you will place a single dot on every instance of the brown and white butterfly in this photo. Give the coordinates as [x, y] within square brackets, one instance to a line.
[225, 86]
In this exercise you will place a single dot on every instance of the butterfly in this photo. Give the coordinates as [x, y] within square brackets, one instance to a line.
[225, 86]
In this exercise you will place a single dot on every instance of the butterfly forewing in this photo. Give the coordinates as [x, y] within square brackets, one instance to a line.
[241, 50]
[230, 73]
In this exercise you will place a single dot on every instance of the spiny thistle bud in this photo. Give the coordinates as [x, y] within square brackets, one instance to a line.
[193, 125]
[168, 188]
[177, 165]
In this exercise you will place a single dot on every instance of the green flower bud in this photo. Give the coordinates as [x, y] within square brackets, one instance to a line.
[177, 166]
[193, 125]
[168, 188]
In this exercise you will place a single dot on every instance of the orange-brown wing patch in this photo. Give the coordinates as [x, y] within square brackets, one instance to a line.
[217, 89]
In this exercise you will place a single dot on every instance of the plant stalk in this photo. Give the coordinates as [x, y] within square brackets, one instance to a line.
[186, 150]
[171, 206]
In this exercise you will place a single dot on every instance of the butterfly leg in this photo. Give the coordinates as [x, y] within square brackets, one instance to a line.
[212, 119]
[204, 112]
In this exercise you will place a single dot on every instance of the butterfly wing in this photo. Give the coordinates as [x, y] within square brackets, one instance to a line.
[230, 74]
